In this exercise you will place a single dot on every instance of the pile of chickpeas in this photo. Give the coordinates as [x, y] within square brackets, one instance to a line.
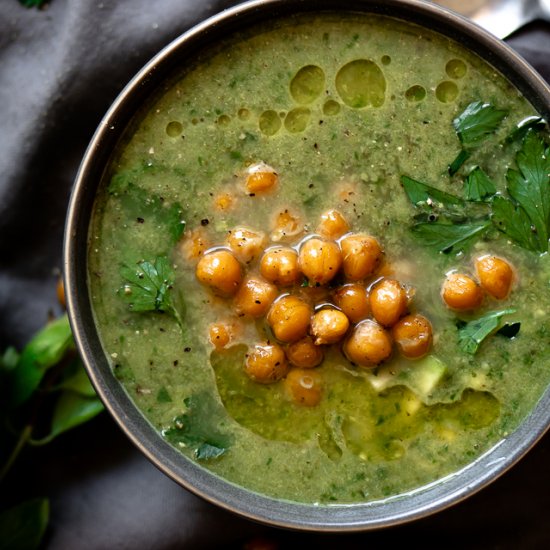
[495, 277]
[328, 289]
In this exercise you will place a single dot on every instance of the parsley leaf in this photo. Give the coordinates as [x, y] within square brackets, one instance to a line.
[526, 217]
[197, 428]
[477, 121]
[473, 333]
[446, 221]
[147, 286]
[513, 221]
[446, 237]
[530, 186]
[523, 126]
[419, 193]
[145, 207]
[478, 186]
[443, 235]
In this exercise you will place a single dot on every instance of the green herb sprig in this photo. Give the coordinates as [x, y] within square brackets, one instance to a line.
[524, 216]
[478, 186]
[446, 237]
[475, 124]
[45, 392]
[472, 334]
[197, 428]
[522, 213]
[149, 287]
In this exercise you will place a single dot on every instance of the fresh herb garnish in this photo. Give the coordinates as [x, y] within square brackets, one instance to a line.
[525, 216]
[472, 333]
[147, 208]
[446, 237]
[472, 126]
[445, 221]
[452, 231]
[198, 428]
[478, 186]
[513, 221]
[460, 159]
[477, 121]
[421, 193]
[148, 285]
[522, 127]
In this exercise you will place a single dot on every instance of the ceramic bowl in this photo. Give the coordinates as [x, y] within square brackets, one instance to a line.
[334, 518]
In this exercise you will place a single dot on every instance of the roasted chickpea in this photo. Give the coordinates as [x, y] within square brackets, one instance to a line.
[261, 177]
[280, 266]
[246, 244]
[254, 297]
[495, 275]
[194, 243]
[289, 318]
[304, 386]
[319, 260]
[361, 256]
[328, 326]
[413, 336]
[369, 344]
[388, 301]
[332, 225]
[304, 353]
[285, 225]
[461, 292]
[221, 271]
[266, 363]
[220, 335]
[353, 300]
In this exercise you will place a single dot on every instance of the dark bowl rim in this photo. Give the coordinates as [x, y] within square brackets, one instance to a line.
[328, 518]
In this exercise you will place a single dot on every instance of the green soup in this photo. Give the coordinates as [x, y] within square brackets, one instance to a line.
[342, 107]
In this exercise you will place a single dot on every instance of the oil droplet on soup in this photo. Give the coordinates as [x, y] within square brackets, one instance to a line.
[297, 119]
[361, 83]
[270, 123]
[307, 84]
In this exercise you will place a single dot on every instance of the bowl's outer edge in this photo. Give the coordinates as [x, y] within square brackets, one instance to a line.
[292, 515]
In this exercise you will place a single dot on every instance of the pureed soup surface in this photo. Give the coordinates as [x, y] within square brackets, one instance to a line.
[341, 107]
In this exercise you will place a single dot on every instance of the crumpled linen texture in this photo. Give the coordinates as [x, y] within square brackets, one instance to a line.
[60, 68]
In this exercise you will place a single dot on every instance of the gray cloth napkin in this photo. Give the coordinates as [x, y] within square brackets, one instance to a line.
[60, 68]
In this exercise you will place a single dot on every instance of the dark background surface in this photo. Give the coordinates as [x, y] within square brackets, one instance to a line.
[60, 68]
